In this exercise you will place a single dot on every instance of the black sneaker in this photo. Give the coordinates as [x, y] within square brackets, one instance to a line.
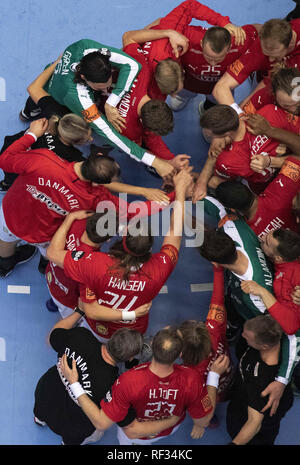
[51, 306]
[43, 265]
[22, 255]
[39, 422]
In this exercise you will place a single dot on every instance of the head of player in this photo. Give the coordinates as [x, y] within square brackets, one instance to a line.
[71, 129]
[218, 248]
[285, 84]
[169, 77]
[215, 44]
[124, 344]
[94, 70]
[235, 196]
[220, 121]
[196, 342]
[98, 169]
[157, 117]
[262, 333]
[281, 245]
[277, 38]
[131, 252]
[167, 346]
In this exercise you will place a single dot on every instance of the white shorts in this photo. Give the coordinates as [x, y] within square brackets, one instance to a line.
[7, 236]
[125, 441]
[63, 310]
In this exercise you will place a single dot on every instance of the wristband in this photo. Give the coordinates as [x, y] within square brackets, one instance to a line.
[128, 315]
[237, 108]
[213, 379]
[77, 310]
[31, 134]
[77, 389]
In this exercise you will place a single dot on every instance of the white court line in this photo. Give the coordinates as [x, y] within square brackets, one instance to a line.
[202, 287]
[164, 290]
[18, 289]
[2, 350]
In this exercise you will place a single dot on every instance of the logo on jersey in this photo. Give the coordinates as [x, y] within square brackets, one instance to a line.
[77, 255]
[206, 403]
[236, 67]
[216, 313]
[101, 329]
[73, 67]
[43, 198]
[171, 252]
[89, 294]
[291, 170]
[108, 397]
[49, 277]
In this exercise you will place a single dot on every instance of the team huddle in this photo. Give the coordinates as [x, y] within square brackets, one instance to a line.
[246, 351]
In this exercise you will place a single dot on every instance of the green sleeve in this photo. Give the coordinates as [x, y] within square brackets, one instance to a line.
[290, 355]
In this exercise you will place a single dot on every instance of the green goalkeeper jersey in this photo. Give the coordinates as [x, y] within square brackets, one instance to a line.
[79, 98]
[259, 270]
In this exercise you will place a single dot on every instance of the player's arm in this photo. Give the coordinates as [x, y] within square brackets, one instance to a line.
[139, 429]
[178, 41]
[96, 311]
[56, 251]
[259, 86]
[258, 125]
[222, 91]
[36, 88]
[182, 182]
[200, 189]
[156, 195]
[250, 428]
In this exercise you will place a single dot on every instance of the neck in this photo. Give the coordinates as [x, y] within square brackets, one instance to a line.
[77, 169]
[85, 239]
[142, 102]
[270, 355]
[106, 357]
[240, 266]
[240, 133]
[160, 370]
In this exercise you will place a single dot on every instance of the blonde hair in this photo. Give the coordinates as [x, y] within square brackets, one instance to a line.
[73, 129]
[168, 74]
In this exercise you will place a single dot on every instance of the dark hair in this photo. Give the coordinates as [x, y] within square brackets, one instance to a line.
[266, 330]
[218, 247]
[95, 67]
[168, 74]
[167, 345]
[283, 80]
[234, 194]
[289, 244]
[277, 30]
[124, 344]
[92, 229]
[157, 117]
[100, 169]
[220, 119]
[140, 246]
[196, 342]
[218, 38]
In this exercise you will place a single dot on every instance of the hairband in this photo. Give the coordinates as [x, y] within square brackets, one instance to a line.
[130, 252]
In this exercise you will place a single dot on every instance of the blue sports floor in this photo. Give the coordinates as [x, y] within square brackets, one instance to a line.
[33, 33]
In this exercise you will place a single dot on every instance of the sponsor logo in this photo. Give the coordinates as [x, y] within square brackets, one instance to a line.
[101, 329]
[77, 255]
[43, 198]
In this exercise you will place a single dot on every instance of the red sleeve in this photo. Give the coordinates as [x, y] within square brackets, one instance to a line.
[86, 294]
[280, 118]
[134, 50]
[183, 14]
[284, 187]
[84, 267]
[230, 165]
[201, 405]
[14, 158]
[116, 403]
[288, 319]
[252, 60]
[155, 144]
[217, 311]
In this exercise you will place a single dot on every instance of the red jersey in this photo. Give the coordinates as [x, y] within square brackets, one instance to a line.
[155, 398]
[178, 19]
[45, 192]
[287, 276]
[62, 288]
[216, 325]
[200, 76]
[48, 189]
[102, 282]
[261, 98]
[274, 209]
[235, 161]
[129, 105]
[255, 60]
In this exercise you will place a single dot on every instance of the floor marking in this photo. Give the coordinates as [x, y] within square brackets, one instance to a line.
[202, 287]
[2, 350]
[18, 289]
[164, 290]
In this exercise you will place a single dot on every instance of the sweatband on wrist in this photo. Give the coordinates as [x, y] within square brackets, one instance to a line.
[77, 389]
[237, 108]
[213, 379]
[33, 135]
[148, 159]
[128, 315]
